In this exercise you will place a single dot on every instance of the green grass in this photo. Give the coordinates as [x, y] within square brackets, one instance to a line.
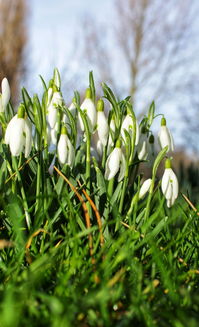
[82, 257]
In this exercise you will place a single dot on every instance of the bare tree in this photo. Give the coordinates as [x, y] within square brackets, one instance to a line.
[146, 49]
[12, 42]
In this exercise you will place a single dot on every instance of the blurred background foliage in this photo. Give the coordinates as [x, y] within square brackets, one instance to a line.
[13, 39]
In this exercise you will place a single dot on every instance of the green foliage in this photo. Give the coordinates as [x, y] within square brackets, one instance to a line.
[79, 250]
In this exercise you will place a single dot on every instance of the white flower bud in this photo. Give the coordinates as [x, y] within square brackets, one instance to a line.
[5, 96]
[89, 107]
[164, 136]
[52, 113]
[143, 147]
[145, 188]
[65, 149]
[102, 127]
[128, 126]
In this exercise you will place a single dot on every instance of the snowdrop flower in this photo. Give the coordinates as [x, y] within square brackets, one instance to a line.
[144, 188]
[5, 95]
[143, 145]
[19, 134]
[127, 125]
[116, 162]
[101, 135]
[65, 149]
[52, 137]
[89, 107]
[112, 125]
[164, 136]
[52, 113]
[169, 184]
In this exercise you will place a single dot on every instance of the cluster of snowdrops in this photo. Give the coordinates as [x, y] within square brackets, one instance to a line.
[108, 127]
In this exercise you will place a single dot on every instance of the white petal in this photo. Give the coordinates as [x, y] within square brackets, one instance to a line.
[175, 184]
[9, 128]
[52, 115]
[122, 167]
[28, 137]
[17, 138]
[5, 92]
[125, 125]
[128, 126]
[62, 151]
[89, 107]
[165, 180]
[113, 163]
[112, 125]
[1, 104]
[53, 134]
[169, 185]
[169, 203]
[57, 99]
[142, 150]
[145, 188]
[97, 146]
[72, 109]
[71, 153]
[164, 138]
[102, 127]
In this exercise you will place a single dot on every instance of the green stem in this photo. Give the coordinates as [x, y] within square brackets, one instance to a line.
[88, 162]
[124, 187]
[110, 188]
[149, 198]
[38, 185]
[28, 220]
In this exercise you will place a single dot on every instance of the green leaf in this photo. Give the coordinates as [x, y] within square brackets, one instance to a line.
[151, 114]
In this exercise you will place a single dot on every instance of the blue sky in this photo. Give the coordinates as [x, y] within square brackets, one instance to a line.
[53, 25]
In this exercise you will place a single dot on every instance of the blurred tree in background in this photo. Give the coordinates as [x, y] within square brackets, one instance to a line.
[146, 49]
[12, 42]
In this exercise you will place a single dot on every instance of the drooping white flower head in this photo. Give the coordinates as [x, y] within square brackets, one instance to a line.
[89, 107]
[52, 113]
[102, 124]
[169, 184]
[52, 134]
[100, 137]
[65, 149]
[127, 125]
[115, 163]
[5, 94]
[164, 136]
[143, 145]
[144, 188]
[19, 134]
